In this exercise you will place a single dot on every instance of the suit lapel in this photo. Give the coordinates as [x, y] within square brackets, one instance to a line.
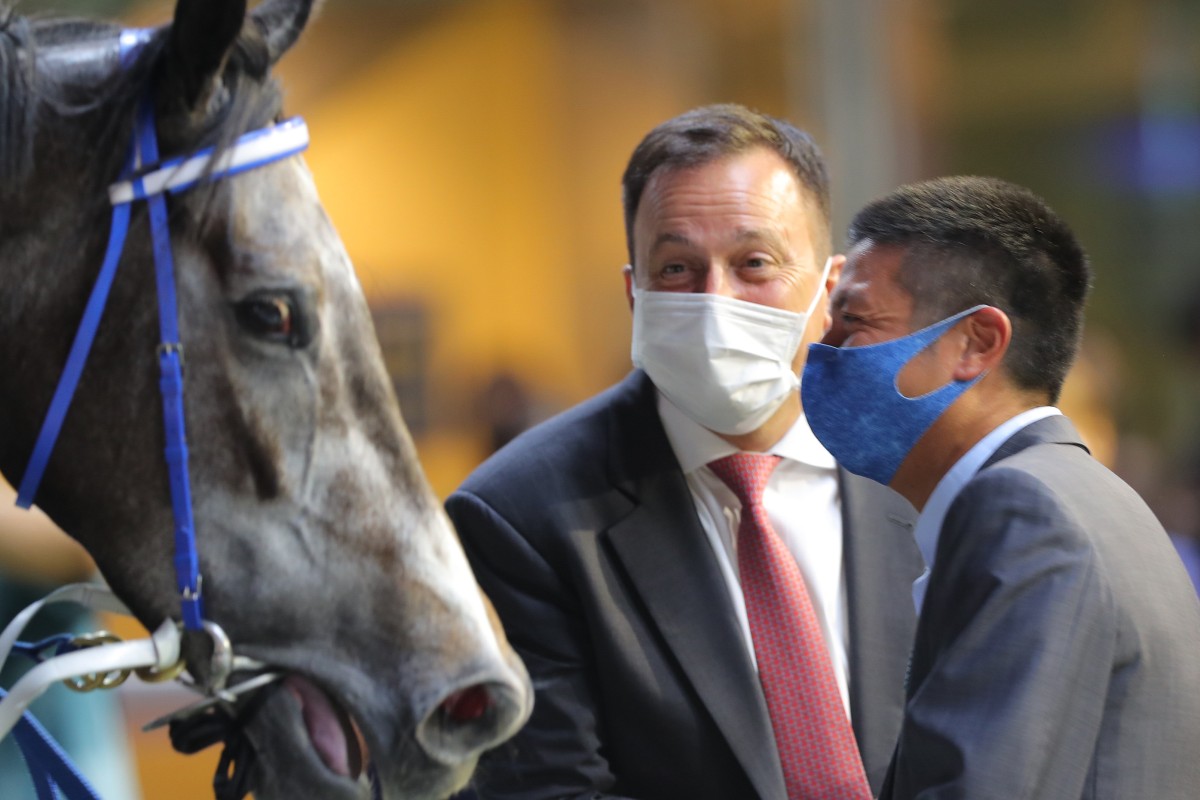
[882, 561]
[672, 568]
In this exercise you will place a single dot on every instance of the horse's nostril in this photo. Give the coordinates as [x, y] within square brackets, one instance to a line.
[468, 704]
[471, 719]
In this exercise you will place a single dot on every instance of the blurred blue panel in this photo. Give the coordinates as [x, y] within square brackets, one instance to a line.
[1155, 155]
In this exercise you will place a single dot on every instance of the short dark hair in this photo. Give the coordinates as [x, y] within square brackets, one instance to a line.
[709, 133]
[971, 240]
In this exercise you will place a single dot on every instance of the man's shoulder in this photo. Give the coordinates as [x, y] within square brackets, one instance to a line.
[573, 445]
[1050, 461]
[1053, 492]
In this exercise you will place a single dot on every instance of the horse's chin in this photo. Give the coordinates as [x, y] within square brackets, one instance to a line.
[308, 745]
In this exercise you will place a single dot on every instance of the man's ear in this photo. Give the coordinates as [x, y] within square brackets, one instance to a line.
[627, 271]
[835, 272]
[988, 333]
[831, 280]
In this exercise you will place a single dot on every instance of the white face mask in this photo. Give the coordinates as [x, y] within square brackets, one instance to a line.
[725, 363]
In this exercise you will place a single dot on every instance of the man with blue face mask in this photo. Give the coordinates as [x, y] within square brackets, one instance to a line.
[1057, 652]
[708, 608]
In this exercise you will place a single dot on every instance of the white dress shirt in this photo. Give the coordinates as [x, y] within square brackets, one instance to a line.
[929, 525]
[804, 507]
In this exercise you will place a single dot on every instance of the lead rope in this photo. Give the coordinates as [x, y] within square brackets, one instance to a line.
[224, 713]
[49, 767]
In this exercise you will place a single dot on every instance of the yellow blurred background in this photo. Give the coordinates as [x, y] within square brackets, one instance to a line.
[470, 152]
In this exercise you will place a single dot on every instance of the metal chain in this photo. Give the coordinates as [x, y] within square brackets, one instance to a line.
[113, 679]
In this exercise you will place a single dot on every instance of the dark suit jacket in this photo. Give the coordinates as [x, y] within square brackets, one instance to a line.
[1058, 651]
[584, 535]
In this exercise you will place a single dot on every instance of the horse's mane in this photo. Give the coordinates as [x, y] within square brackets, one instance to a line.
[246, 99]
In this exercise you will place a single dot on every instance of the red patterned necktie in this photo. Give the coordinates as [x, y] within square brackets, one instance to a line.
[816, 743]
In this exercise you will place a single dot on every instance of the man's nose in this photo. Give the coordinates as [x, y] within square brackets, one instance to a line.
[717, 281]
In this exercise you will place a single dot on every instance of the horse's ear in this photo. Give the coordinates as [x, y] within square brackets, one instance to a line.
[280, 22]
[201, 37]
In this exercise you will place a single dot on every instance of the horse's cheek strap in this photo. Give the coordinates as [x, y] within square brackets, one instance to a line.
[80, 348]
[187, 565]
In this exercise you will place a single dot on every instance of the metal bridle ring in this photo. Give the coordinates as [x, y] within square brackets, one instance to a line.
[222, 656]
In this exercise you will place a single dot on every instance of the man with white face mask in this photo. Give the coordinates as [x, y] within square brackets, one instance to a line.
[708, 607]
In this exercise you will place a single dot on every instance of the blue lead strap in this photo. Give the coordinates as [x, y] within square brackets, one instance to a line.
[49, 766]
[187, 564]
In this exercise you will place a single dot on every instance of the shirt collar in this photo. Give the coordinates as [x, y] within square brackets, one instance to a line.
[929, 524]
[696, 446]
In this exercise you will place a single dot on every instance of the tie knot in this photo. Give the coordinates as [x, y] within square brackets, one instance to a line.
[746, 474]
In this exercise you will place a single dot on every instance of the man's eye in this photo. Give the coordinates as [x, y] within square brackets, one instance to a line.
[672, 269]
[273, 317]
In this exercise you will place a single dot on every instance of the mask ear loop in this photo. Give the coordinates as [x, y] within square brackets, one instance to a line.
[929, 335]
[812, 306]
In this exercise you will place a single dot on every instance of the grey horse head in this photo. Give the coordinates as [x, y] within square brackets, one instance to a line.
[324, 552]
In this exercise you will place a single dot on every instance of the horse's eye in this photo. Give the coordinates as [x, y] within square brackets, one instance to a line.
[274, 317]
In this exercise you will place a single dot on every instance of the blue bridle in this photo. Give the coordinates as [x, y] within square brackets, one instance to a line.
[145, 179]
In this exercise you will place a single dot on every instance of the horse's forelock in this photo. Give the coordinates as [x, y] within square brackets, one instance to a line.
[35, 90]
[250, 98]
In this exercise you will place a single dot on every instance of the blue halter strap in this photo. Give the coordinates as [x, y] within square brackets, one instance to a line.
[170, 383]
[145, 179]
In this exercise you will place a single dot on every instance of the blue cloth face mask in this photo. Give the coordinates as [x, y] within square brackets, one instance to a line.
[854, 408]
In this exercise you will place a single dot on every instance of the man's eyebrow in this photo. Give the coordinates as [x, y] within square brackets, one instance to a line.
[670, 238]
[841, 295]
[765, 235]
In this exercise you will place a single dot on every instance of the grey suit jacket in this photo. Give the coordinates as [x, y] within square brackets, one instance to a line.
[1058, 650]
[584, 535]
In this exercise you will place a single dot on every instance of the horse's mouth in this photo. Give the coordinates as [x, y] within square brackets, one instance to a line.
[305, 739]
[334, 736]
